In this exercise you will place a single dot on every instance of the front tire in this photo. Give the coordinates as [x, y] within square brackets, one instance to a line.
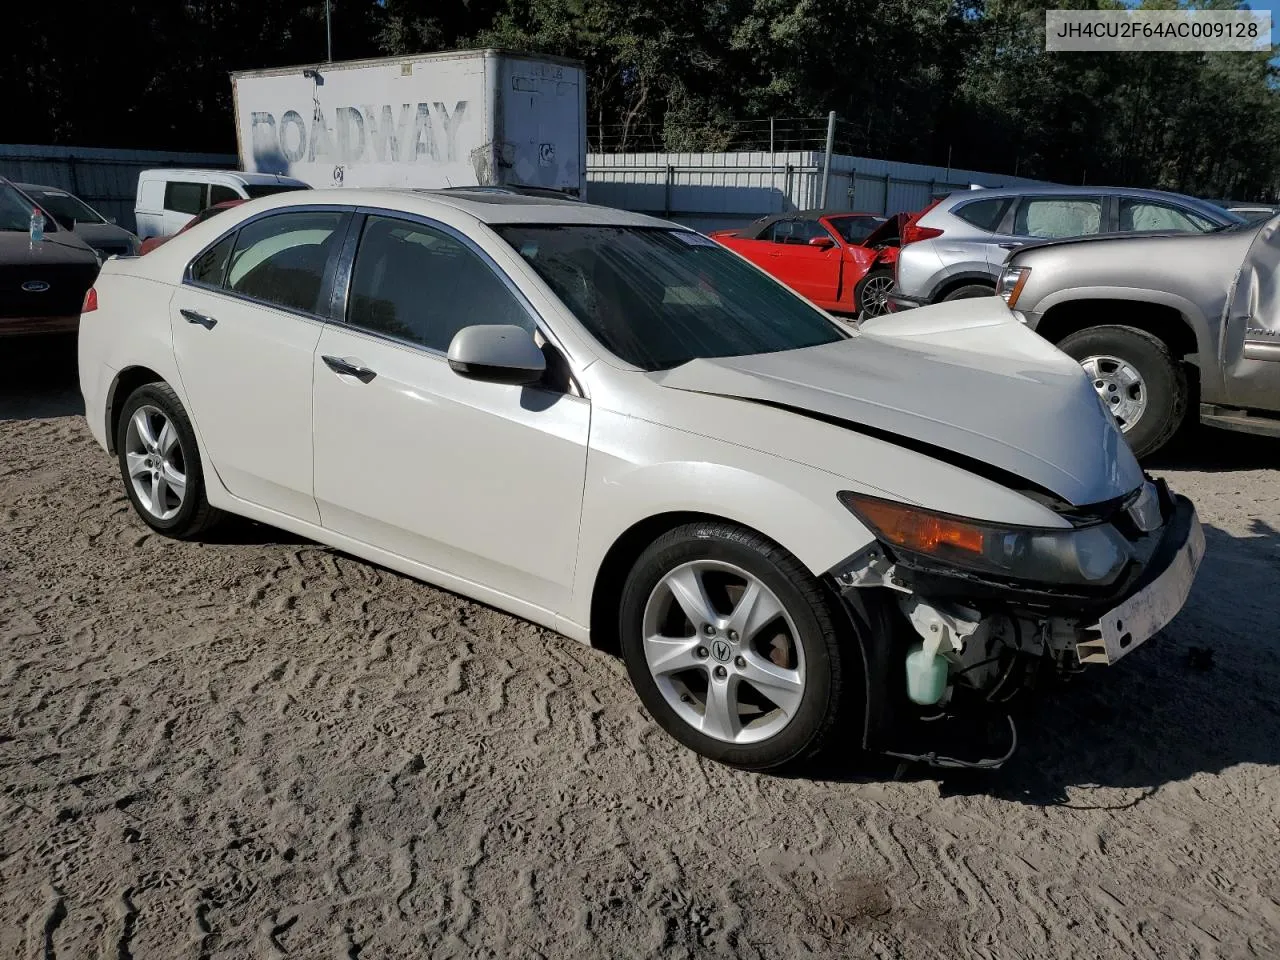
[160, 464]
[732, 646]
[1138, 379]
[871, 295]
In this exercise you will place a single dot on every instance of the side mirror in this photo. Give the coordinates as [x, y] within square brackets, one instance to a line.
[822, 243]
[112, 221]
[499, 353]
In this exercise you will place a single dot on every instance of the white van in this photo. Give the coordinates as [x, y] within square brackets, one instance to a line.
[168, 199]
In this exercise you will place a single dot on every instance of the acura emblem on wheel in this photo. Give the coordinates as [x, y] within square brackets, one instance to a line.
[720, 650]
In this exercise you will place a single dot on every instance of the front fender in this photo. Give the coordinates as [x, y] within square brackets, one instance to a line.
[1191, 313]
[637, 470]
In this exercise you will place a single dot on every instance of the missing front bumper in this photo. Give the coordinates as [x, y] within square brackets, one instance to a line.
[1161, 594]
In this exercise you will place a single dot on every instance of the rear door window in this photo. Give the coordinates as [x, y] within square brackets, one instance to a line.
[282, 259]
[1139, 214]
[180, 196]
[984, 214]
[1054, 218]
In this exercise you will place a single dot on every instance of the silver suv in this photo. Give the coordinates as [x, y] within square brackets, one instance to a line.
[957, 247]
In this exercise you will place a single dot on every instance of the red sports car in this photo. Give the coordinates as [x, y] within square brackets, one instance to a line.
[841, 261]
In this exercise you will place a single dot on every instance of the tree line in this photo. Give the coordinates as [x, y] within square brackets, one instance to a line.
[931, 81]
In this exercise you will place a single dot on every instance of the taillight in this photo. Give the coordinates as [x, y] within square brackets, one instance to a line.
[911, 233]
[90, 301]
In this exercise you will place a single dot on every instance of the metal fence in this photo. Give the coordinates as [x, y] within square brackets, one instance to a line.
[711, 191]
[105, 179]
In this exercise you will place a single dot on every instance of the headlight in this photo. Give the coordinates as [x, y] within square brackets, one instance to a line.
[1086, 556]
[1012, 280]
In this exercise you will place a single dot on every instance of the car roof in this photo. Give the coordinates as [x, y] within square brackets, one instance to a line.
[1041, 189]
[41, 188]
[487, 207]
[814, 215]
[194, 173]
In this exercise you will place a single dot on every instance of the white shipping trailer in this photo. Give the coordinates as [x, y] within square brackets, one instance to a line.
[460, 119]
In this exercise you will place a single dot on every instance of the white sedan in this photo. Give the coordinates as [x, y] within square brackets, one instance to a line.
[792, 530]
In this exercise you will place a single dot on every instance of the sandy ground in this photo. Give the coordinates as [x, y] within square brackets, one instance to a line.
[260, 747]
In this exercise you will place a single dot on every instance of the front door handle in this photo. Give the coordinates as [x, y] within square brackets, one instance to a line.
[345, 368]
[194, 316]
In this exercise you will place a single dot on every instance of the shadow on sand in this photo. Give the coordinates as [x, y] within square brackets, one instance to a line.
[1197, 699]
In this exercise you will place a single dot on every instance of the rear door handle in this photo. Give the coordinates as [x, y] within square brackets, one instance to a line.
[194, 316]
[1008, 246]
[345, 368]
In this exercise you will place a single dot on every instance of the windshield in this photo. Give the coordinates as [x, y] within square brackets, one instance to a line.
[65, 208]
[255, 190]
[658, 298]
[855, 229]
[15, 209]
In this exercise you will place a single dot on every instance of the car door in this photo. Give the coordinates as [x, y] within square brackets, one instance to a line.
[1251, 338]
[245, 325]
[811, 271]
[480, 480]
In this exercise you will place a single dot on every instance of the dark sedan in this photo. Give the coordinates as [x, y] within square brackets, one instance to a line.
[43, 281]
[72, 213]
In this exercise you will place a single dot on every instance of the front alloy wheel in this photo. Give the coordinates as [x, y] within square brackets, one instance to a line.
[1139, 379]
[722, 651]
[872, 295]
[734, 647]
[1120, 386]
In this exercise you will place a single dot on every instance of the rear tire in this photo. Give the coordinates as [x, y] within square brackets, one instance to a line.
[970, 290]
[1162, 386]
[778, 677]
[160, 464]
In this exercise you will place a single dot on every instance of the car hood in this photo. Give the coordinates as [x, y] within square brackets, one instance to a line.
[887, 232]
[95, 233]
[962, 381]
[60, 247]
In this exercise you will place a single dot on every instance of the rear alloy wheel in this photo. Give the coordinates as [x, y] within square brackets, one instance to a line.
[731, 646]
[160, 464]
[871, 296]
[1138, 379]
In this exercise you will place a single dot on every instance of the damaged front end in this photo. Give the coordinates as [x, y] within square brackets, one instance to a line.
[971, 613]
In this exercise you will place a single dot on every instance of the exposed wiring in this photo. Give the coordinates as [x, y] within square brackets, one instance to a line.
[935, 760]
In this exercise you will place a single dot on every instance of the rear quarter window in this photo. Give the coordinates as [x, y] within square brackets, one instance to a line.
[984, 214]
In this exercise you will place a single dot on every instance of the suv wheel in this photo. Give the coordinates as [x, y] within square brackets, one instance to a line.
[1138, 378]
[970, 290]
